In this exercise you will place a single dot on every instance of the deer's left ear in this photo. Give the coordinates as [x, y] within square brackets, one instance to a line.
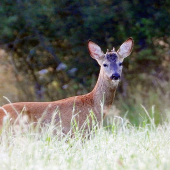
[126, 48]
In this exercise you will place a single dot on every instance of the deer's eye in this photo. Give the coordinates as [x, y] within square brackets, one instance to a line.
[105, 65]
[120, 64]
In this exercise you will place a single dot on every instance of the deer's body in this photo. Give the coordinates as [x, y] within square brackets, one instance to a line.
[104, 89]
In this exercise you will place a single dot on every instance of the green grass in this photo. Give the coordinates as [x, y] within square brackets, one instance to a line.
[119, 146]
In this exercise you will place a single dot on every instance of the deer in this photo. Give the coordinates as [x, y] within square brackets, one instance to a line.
[109, 77]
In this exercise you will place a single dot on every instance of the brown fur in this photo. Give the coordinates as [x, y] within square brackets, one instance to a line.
[105, 88]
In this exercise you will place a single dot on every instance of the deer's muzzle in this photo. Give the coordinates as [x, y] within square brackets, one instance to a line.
[115, 76]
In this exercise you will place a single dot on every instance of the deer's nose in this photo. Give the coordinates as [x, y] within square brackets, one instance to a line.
[115, 76]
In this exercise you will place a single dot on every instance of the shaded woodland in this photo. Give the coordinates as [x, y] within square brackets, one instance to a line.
[45, 44]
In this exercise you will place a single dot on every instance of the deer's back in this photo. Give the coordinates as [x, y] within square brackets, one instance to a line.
[64, 109]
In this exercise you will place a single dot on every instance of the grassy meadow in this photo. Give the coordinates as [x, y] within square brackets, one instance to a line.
[116, 145]
[44, 57]
[135, 135]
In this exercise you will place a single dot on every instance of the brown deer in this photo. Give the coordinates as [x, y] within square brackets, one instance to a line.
[104, 90]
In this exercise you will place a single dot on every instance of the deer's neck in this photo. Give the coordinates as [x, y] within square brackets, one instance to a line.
[104, 90]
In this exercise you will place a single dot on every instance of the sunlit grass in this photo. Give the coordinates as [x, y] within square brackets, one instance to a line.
[119, 146]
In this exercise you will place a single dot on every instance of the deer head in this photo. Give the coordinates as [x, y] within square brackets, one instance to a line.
[111, 62]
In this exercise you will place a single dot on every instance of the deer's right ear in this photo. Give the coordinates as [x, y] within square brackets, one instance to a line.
[95, 51]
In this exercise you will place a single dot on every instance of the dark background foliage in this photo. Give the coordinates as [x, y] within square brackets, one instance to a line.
[46, 42]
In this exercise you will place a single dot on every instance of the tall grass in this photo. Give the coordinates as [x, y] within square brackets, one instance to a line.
[119, 145]
[139, 139]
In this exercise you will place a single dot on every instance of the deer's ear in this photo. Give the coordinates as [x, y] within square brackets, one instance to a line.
[95, 51]
[126, 48]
